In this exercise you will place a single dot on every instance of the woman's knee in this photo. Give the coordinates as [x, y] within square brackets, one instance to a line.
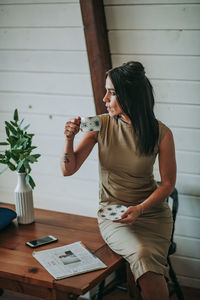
[143, 252]
[140, 254]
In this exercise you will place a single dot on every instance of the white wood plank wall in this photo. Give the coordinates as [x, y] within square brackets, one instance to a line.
[165, 37]
[44, 72]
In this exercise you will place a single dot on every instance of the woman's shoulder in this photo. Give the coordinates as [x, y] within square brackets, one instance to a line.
[106, 125]
[162, 126]
[104, 117]
[162, 130]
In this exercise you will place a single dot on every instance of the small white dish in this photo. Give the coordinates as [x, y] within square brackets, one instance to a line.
[112, 212]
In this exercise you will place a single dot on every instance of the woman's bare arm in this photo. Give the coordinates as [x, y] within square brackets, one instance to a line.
[167, 168]
[71, 160]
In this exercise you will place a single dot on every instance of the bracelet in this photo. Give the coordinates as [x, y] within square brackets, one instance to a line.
[65, 158]
[142, 208]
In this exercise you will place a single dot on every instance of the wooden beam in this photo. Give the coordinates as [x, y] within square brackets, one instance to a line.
[96, 37]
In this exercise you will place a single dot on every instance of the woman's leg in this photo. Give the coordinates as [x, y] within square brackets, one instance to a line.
[153, 286]
[140, 251]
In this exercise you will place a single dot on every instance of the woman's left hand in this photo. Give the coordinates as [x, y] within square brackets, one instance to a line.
[130, 215]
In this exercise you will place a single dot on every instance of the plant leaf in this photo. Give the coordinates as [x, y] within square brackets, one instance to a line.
[7, 153]
[31, 158]
[26, 127]
[14, 157]
[21, 141]
[27, 166]
[15, 116]
[21, 123]
[3, 162]
[36, 155]
[31, 148]
[27, 178]
[11, 128]
[30, 135]
[4, 144]
[27, 144]
[19, 131]
[17, 152]
[30, 181]
[7, 131]
[20, 164]
[11, 166]
[14, 124]
[12, 140]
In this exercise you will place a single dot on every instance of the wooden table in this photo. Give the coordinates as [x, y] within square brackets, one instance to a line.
[21, 272]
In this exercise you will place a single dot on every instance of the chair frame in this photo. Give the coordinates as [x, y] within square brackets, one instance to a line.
[172, 249]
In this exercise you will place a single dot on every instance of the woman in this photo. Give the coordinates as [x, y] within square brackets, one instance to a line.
[129, 140]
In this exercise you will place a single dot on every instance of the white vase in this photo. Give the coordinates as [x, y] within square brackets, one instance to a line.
[24, 201]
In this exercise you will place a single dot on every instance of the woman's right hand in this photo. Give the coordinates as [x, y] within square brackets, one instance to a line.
[72, 127]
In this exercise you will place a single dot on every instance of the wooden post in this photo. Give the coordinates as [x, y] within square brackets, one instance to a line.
[94, 23]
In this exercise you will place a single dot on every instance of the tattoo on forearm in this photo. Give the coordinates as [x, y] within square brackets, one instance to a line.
[66, 157]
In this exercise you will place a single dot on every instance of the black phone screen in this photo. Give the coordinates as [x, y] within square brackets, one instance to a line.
[41, 241]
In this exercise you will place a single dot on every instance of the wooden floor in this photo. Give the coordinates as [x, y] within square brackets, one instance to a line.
[189, 294]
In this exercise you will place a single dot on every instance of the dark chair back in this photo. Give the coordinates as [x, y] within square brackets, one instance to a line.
[174, 208]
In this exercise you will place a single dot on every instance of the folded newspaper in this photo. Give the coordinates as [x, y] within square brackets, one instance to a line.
[68, 260]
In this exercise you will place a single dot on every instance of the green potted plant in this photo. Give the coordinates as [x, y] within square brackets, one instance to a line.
[18, 157]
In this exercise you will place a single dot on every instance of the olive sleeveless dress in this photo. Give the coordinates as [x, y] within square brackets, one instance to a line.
[126, 178]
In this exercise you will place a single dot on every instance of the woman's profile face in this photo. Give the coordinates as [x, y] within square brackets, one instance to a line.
[110, 99]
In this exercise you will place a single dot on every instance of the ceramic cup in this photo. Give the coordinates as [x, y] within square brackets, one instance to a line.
[90, 123]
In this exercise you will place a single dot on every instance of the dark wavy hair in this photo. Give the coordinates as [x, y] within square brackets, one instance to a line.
[135, 96]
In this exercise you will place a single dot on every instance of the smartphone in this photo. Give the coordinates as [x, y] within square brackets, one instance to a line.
[42, 241]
